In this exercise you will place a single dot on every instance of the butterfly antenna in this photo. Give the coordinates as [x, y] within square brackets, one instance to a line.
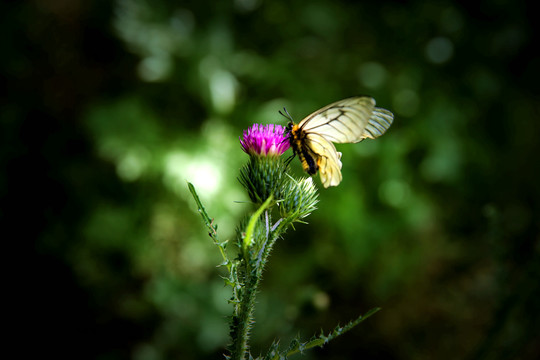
[286, 115]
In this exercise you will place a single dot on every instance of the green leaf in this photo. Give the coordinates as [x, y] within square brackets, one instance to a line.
[209, 222]
[296, 346]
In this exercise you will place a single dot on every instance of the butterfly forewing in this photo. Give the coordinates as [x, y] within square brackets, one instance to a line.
[348, 121]
[319, 117]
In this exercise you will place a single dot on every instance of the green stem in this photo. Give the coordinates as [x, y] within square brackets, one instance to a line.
[243, 319]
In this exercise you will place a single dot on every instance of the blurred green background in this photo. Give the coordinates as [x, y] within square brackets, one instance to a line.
[110, 107]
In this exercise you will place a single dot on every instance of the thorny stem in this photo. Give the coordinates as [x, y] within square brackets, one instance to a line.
[243, 319]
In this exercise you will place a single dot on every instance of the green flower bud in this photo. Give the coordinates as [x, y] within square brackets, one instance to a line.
[299, 198]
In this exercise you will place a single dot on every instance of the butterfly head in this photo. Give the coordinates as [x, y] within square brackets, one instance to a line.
[290, 125]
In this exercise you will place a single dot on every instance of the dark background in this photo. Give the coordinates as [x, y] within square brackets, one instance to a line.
[109, 107]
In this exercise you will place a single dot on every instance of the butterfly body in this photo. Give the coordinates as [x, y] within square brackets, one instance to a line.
[308, 159]
[346, 121]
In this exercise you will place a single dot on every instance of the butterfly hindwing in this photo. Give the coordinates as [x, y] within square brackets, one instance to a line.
[327, 159]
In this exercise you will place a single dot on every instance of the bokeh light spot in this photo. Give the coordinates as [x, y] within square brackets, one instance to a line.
[406, 102]
[439, 50]
[155, 68]
[132, 165]
[223, 91]
[394, 192]
[372, 75]
[180, 168]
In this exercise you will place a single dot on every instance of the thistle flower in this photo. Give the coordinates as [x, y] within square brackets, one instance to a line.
[265, 140]
[264, 174]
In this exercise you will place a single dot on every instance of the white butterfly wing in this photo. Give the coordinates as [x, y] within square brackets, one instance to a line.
[348, 121]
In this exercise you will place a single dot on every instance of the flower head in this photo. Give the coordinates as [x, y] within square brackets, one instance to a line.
[266, 140]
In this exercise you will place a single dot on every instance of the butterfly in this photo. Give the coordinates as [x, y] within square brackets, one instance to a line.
[345, 121]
